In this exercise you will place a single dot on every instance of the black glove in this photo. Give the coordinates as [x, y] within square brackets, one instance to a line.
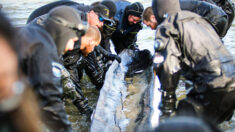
[116, 57]
[134, 47]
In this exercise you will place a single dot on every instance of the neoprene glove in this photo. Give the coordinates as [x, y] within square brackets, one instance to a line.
[116, 57]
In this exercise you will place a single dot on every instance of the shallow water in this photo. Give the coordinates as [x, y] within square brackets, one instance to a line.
[18, 11]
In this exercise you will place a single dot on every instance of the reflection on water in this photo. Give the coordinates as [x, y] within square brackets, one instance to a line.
[18, 11]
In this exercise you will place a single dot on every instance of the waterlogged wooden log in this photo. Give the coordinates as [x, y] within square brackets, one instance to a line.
[125, 103]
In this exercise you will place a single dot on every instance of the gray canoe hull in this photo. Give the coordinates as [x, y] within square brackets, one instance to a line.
[124, 104]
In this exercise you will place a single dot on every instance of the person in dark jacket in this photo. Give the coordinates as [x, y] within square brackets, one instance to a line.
[98, 62]
[40, 47]
[46, 8]
[227, 6]
[91, 39]
[129, 24]
[212, 13]
[73, 61]
[192, 48]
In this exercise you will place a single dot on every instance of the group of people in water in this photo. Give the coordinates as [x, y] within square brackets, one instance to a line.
[43, 61]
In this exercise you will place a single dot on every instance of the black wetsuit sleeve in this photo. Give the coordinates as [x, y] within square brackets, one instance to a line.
[103, 51]
[170, 72]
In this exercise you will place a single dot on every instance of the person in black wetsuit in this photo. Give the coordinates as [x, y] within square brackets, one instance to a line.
[129, 24]
[228, 7]
[73, 61]
[40, 47]
[191, 47]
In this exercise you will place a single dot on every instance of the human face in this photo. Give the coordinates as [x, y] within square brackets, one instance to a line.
[8, 69]
[152, 23]
[95, 20]
[70, 44]
[133, 19]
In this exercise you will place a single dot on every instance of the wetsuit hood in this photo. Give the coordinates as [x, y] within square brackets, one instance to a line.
[135, 9]
[64, 23]
[163, 8]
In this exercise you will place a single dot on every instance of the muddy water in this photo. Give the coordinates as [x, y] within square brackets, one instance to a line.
[19, 10]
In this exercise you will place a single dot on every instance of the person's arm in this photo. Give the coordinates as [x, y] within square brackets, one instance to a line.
[169, 75]
[107, 54]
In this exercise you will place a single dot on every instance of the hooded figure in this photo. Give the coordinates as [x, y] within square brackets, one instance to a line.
[125, 35]
[73, 60]
[191, 48]
[46, 8]
[39, 48]
[63, 25]
[228, 7]
[212, 13]
[163, 8]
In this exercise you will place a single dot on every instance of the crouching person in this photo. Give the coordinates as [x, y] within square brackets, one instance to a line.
[39, 48]
[192, 48]
[73, 62]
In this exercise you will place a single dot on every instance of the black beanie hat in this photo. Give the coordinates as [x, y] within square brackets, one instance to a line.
[61, 23]
[135, 9]
[112, 7]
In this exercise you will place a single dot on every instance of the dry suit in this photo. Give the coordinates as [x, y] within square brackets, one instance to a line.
[212, 13]
[98, 61]
[125, 35]
[39, 61]
[192, 48]
[228, 7]
[40, 47]
[74, 61]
